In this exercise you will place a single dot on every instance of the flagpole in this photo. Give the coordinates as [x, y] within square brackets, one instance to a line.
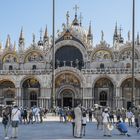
[53, 60]
[133, 55]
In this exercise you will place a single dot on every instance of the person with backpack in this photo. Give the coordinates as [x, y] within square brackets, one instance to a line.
[15, 118]
[5, 122]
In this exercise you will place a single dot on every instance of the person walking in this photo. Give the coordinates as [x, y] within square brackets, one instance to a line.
[15, 118]
[78, 121]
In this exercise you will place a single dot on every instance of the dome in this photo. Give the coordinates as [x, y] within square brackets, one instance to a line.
[78, 31]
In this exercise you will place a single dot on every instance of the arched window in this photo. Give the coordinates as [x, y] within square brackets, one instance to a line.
[103, 96]
[10, 67]
[128, 65]
[34, 67]
[102, 66]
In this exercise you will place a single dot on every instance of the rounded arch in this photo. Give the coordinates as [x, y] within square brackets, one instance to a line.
[9, 79]
[30, 77]
[102, 53]
[7, 92]
[123, 79]
[69, 55]
[106, 77]
[77, 73]
[7, 83]
[69, 87]
[103, 92]
[74, 44]
[126, 53]
[10, 57]
[33, 55]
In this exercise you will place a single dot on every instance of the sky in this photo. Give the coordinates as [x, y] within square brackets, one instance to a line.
[33, 15]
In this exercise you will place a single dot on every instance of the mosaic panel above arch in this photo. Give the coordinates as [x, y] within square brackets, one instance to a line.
[67, 79]
[127, 54]
[34, 57]
[102, 55]
[10, 58]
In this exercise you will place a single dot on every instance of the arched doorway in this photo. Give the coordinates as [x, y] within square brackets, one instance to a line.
[103, 92]
[103, 98]
[7, 93]
[126, 87]
[30, 92]
[68, 90]
[67, 98]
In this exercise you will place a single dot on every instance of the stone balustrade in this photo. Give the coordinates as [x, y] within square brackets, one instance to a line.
[84, 71]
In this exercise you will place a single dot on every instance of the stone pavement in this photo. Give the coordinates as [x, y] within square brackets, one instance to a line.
[53, 129]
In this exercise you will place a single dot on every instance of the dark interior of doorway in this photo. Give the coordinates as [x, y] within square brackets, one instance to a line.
[67, 102]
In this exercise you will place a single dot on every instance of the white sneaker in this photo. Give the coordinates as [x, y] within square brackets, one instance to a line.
[6, 138]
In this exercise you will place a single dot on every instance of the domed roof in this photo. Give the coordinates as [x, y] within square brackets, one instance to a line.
[78, 31]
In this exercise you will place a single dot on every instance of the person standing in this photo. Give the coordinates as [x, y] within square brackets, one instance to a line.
[5, 122]
[84, 122]
[129, 115]
[78, 121]
[15, 118]
[106, 123]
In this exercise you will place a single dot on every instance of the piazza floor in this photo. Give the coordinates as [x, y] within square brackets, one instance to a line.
[51, 128]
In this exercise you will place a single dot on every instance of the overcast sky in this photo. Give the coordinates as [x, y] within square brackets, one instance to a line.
[36, 14]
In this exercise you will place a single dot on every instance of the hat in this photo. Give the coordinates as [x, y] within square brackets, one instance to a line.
[106, 109]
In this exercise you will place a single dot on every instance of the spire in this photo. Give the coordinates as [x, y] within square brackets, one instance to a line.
[33, 39]
[115, 36]
[89, 30]
[138, 39]
[14, 48]
[89, 35]
[120, 36]
[40, 42]
[128, 35]
[116, 30]
[21, 41]
[102, 36]
[81, 19]
[21, 37]
[45, 38]
[8, 42]
[75, 21]
[67, 17]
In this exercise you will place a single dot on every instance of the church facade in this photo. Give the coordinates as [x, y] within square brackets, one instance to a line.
[94, 74]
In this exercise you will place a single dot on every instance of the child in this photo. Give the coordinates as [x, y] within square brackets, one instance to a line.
[84, 121]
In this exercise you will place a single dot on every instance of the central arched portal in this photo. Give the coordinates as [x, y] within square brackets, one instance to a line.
[30, 92]
[68, 90]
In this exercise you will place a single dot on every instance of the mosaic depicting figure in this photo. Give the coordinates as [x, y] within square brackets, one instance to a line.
[102, 55]
[127, 54]
[34, 56]
[10, 58]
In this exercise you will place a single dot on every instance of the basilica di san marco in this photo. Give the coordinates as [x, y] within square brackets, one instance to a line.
[84, 71]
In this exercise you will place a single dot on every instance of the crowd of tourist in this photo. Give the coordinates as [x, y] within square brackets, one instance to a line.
[106, 119]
